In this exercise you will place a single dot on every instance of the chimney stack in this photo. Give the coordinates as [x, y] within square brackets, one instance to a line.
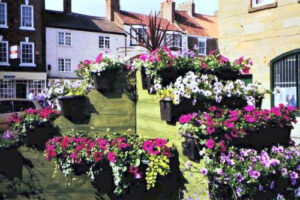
[168, 10]
[112, 6]
[67, 6]
[188, 6]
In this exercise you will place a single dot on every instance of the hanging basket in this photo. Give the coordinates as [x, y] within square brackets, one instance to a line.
[72, 107]
[190, 147]
[105, 82]
[11, 163]
[167, 110]
[265, 137]
[168, 76]
[227, 75]
[38, 137]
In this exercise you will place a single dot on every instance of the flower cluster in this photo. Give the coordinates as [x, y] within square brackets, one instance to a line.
[106, 63]
[219, 127]
[9, 139]
[31, 118]
[59, 88]
[246, 173]
[208, 88]
[124, 153]
[83, 71]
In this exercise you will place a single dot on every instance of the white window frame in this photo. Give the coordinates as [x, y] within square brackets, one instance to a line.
[7, 55]
[5, 11]
[202, 40]
[106, 42]
[32, 18]
[64, 66]
[138, 29]
[65, 36]
[265, 2]
[8, 92]
[33, 56]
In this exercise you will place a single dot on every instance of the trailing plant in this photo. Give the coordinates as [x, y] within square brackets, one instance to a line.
[217, 128]
[10, 139]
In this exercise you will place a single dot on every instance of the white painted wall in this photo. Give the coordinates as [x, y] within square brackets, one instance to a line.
[85, 45]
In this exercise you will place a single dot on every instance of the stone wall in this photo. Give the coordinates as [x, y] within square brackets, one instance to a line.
[261, 35]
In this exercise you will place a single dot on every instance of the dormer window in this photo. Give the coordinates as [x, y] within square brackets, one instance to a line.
[27, 17]
[258, 3]
[3, 15]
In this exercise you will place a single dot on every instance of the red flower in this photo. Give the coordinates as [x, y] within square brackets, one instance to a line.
[222, 146]
[148, 145]
[212, 108]
[30, 111]
[111, 156]
[246, 70]
[228, 124]
[99, 58]
[160, 142]
[65, 143]
[98, 156]
[210, 143]
[204, 65]
[210, 130]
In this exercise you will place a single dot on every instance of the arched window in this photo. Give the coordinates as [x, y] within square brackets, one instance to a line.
[286, 77]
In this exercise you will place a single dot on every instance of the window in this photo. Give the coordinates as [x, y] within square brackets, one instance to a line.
[104, 42]
[27, 21]
[27, 54]
[64, 39]
[137, 34]
[173, 40]
[3, 15]
[257, 3]
[38, 86]
[202, 46]
[64, 65]
[4, 53]
[286, 77]
[7, 89]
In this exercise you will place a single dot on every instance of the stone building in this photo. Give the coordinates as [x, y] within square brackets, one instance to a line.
[268, 31]
[22, 53]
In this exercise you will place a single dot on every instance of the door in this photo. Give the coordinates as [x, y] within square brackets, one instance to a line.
[21, 90]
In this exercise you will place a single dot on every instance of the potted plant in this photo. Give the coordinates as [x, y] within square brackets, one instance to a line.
[11, 160]
[104, 71]
[71, 97]
[117, 157]
[36, 126]
[247, 174]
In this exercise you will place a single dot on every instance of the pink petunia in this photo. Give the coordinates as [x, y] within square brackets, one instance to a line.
[210, 143]
[111, 156]
[99, 58]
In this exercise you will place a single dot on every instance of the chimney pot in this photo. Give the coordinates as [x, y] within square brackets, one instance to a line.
[67, 6]
[112, 6]
[188, 6]
[168, 10]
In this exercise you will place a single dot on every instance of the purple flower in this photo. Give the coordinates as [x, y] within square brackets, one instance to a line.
[230, 162]
[272, 185]
[284, 171]
[274, 162]
[298, 168]
[203, 171]
[254, 174]
[239, 177]
[220, 172]
[260, 187]
[294, 175]
[239, 191]
[8, 135]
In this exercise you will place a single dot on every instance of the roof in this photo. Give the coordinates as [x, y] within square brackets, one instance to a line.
[80, 22]
[198, 25]
[130, 18]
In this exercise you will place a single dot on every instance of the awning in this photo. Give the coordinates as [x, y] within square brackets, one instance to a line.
[23, 75]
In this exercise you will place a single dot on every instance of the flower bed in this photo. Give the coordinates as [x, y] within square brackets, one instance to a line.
[130, 158]
[248, 174]
[11, 161]
[249, 127]
[35, 126]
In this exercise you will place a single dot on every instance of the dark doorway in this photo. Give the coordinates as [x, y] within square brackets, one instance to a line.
[21, 91]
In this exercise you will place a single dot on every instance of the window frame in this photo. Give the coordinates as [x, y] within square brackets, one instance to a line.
[295, 52]
[173, 43]
[203, 40]
[32, 18]
[105, 40]
[255, 5]
[5, 15]
[64, 65]
[65, 36]
[7, 54]
[33, 55]
[134, 42]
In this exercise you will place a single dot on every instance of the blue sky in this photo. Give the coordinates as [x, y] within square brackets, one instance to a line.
[97, 7]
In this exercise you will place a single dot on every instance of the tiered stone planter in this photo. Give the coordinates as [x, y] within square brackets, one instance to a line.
[72, 107]
[105, 82]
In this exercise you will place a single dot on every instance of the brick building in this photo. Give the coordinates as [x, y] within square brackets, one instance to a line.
[268, 31]
[22, 32]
